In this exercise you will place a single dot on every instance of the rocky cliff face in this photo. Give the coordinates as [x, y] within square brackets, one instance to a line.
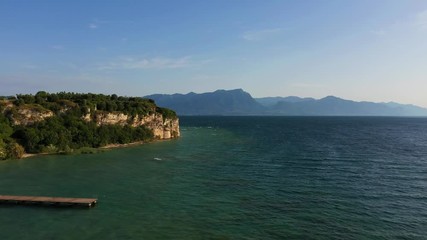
[5, 105]
[163, 128]
[28, 116]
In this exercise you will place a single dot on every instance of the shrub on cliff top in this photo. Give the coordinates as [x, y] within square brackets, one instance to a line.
[166, 113]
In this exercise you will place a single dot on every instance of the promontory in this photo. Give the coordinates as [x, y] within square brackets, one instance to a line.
[65, 122]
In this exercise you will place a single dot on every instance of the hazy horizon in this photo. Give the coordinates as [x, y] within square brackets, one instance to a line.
[357, 50]
[34, 92]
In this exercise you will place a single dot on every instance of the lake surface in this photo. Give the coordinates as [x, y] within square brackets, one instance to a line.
[236, 178]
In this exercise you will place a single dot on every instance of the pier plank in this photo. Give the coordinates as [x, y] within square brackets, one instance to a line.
[88, 202]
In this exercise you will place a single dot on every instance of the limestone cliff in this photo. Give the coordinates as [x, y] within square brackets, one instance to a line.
[28, 115]
[5, 105]
[163, 128]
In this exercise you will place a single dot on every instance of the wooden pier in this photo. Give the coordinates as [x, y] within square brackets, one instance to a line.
[48, 201]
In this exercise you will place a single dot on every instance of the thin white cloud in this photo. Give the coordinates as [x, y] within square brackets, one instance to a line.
[378, 32]
[306, 85]
[93, 26]
[57, 47]
[97, 23]
[417, 21]
[30, 66]
[421, 20]
[260, 35]
[31, 83]
[148, 63]
[207, 78]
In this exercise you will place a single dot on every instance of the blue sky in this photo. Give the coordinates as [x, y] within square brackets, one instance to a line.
[374, 50]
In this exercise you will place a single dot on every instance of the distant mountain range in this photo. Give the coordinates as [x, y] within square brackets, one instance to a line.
[238, 102]
[220, 102]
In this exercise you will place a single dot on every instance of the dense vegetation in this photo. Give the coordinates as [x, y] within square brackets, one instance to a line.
[67, 130]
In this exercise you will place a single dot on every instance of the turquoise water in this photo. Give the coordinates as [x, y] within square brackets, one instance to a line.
[236, 178]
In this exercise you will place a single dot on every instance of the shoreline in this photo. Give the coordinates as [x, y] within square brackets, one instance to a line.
[118, 145]
[29, 155]
[106, 147]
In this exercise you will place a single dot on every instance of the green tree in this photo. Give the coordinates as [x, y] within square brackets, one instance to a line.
[3, 150]
[30, 139]
[14, 150]
[5, 129]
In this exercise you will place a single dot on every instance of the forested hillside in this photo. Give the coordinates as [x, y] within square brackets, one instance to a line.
[64, 122]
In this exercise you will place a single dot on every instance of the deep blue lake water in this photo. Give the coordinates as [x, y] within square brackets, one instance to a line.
[236, 178]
